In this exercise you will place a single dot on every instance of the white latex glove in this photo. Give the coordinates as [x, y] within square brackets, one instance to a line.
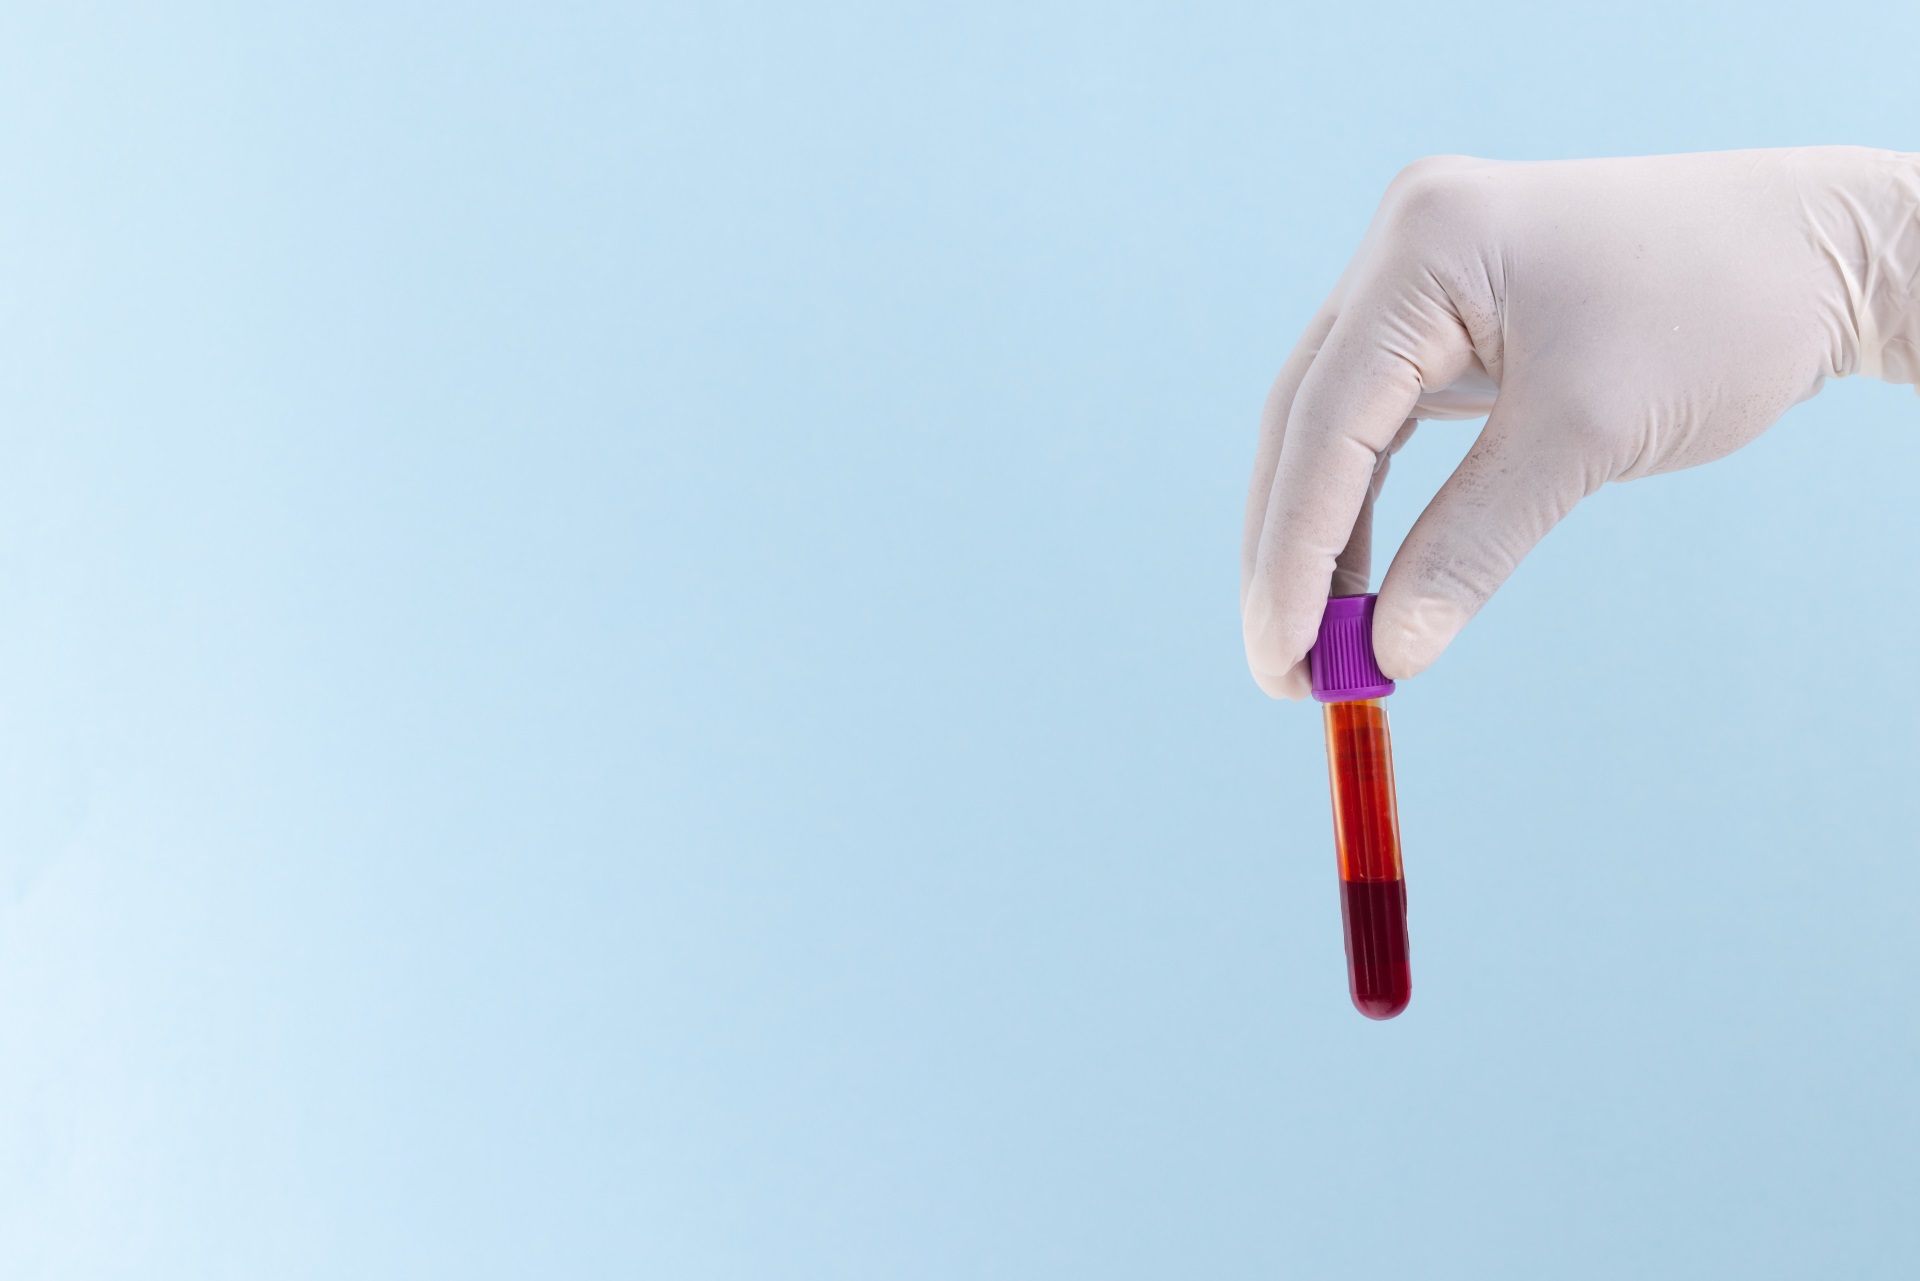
[1613, 318]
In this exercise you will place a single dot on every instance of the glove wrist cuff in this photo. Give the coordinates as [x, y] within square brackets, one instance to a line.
[1886, 292]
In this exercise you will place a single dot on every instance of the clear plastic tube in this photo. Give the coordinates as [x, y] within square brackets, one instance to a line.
[1366, 835]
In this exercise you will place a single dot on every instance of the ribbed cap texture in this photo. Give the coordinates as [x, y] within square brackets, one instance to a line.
[1342, 657]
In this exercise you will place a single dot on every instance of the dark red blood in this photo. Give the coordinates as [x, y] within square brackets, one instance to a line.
[1375, 916]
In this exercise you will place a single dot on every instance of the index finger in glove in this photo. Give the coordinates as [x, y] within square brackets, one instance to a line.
[1391, 340]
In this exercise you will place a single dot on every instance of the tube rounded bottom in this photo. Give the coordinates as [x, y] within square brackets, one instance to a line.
[1383, 995]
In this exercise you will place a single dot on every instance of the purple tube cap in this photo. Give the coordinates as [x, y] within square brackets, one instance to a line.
[1342, 655]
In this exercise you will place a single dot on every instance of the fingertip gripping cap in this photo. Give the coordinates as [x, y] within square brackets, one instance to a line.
[1342, 656]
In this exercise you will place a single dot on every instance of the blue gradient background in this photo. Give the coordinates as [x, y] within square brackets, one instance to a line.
[619, 658]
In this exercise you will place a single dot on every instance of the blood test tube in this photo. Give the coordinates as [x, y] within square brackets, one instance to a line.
[1366, 823]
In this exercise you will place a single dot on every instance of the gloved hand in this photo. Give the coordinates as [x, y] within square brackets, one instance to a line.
[1612, 318]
